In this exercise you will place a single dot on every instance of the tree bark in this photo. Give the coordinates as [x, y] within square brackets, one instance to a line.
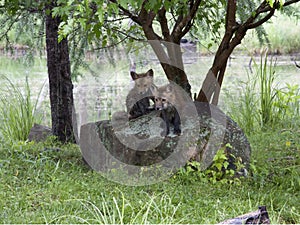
[60, 84]
[167, 49]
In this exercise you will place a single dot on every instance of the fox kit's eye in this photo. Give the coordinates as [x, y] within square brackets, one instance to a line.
[163, 100]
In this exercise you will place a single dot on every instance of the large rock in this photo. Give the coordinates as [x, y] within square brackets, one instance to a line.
[139, 142]
[39, 133]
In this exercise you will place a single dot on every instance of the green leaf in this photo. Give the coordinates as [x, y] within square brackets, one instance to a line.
[270, 2]
[226, 164]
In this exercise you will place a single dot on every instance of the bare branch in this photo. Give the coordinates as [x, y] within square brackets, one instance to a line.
[126, 12]
[10, 26]
[179, 31]
[164, 23]
[263, 20]
[229, 28]
[287, 3]
[116, 20]
[126, 34]
[178, 21]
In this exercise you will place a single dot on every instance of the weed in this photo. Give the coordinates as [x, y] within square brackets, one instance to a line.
[224, 169]
[266, 76]
[18, 111]
[112, 210]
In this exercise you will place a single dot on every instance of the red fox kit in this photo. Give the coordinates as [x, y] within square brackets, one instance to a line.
[138, 98]
[165, 99]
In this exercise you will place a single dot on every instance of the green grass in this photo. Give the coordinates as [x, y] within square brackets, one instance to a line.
[42, 185]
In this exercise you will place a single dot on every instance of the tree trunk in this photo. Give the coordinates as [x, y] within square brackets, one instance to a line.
[174, 69]
[170, 59]
[59, 74]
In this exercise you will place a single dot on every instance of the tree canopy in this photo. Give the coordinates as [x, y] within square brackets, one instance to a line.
[164, 22]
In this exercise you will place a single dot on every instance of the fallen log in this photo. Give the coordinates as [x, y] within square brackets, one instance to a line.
[259, 216]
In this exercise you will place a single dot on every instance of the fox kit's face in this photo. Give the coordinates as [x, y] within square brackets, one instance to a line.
[161, 103]
[164, 96]
[143, 81]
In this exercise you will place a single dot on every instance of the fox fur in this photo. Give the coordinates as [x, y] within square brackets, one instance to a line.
[138, 98]
[165, 100]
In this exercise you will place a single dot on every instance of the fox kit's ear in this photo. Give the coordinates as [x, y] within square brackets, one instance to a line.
[150, 73]
[134, 75]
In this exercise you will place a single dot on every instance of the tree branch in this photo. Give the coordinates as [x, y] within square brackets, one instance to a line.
[126, 34]
[127, 12]
[229, 28]
[10, 26]
[146, 18]
[287, 3]
[116, 20]
[164, 24]
[263, 20]
[230, 15]
[179, 31]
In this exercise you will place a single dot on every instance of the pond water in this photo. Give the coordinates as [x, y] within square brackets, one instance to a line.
[100, 93]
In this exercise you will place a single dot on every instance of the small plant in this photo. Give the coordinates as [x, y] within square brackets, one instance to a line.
[191, 173]
[17, 111]
[221, 170]
[287, 105]
[224, 169]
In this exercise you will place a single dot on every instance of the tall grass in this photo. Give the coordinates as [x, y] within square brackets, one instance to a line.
[265, 74]
[17, 110]
[156, 209]
[261, 104]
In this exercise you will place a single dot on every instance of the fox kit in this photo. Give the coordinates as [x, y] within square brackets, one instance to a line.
[165, 99]
[138, 98]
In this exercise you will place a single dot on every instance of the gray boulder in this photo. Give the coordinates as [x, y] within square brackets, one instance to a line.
[141, 143]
